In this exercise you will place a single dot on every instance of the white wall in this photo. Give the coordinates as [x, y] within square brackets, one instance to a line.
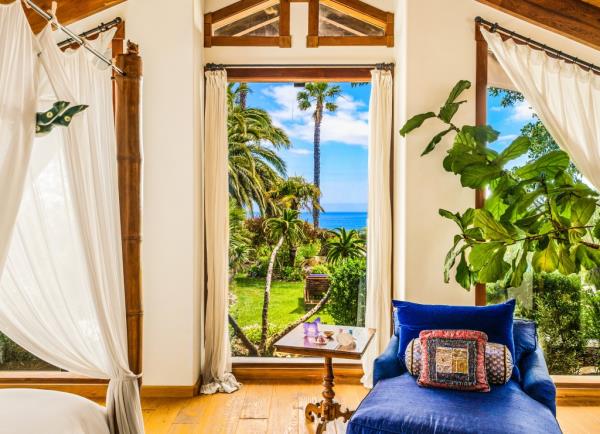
[434, 48]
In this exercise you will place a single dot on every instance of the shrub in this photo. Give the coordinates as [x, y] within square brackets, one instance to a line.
[320, 269]
[346, 279]
[306, 251]
[291, 274]
[259, 268]
[557, 310]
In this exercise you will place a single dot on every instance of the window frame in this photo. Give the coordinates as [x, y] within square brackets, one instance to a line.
[359, 10]
[284, 40]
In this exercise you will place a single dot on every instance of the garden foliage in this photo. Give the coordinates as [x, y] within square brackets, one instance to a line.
[345, 282]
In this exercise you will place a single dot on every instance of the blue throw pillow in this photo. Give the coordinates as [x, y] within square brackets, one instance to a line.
[494, 320]
[525, 336]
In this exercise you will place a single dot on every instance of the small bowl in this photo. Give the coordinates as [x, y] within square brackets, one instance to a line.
[329, 333]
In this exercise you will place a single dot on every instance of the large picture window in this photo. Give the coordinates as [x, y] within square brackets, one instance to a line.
[298, 187]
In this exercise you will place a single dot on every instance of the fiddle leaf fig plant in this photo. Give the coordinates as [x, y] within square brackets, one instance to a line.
[59, 115]
[535, 215]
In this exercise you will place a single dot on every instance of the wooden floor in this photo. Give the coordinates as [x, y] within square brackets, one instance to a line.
[279, 409]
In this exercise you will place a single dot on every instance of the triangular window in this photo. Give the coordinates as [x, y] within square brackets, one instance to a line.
[249, 22]
[348, 22]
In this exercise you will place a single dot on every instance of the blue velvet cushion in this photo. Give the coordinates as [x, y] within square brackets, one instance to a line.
[525, 337]
[399, 405]
[494, 320]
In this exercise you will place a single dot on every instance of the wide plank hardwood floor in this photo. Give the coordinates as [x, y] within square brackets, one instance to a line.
[276, 408]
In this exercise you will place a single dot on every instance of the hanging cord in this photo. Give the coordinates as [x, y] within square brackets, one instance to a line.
[49, 17]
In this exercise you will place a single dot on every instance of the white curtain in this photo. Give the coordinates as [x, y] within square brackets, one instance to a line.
[62, 290]
[18, 68]
[217, 374]
[564, 96]
[379, 226]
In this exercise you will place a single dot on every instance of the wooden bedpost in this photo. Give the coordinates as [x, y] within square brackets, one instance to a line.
[128, 114]
[481, 81]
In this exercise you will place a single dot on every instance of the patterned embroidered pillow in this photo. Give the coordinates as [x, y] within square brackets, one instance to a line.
[498, 361]
[453, 359]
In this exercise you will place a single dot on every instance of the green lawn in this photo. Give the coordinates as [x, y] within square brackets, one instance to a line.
[287, 302]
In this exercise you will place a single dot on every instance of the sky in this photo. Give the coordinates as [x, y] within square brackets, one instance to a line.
[508, 121]
[344, 138]
[344, 141]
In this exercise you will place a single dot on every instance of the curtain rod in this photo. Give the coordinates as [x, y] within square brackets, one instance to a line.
[215, 66]
[495, 27]
[103, 27]
[73, 36]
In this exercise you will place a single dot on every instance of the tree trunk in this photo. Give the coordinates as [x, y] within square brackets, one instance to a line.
[267, 298]
[317, 161]
[243, 97]
[252, 350]
[303, 318]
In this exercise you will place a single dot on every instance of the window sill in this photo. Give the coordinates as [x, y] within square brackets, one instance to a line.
[46, 377]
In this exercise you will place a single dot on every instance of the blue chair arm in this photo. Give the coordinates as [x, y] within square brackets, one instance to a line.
[387, 364]
[536, 380]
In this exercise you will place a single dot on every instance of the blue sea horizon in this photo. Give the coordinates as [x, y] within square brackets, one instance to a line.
[338, 219]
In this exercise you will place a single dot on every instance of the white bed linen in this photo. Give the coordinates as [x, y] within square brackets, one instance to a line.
[31, 411]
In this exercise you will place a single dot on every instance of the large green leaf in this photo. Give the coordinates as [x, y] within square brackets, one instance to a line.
[482, 134]
[495, 269]
[566, 265]
[519, 266]
[415, 122]
[454, 217]
[481, 253]
[548, 165]
[464, 276]
[436, 139]
[492, 229]
[545, 260]
[448, 111]
[458, 88]
[478, 175]
[451, 259]
[517, 148]
[587, 257]
[582, 211]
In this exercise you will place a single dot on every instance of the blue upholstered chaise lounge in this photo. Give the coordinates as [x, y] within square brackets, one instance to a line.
[398, 405]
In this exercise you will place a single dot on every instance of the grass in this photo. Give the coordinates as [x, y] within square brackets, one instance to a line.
[287, 302]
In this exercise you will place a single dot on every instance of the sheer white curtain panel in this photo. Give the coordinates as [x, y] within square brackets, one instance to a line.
[18, 70]
[379, 225]
[564, 96]
[62, 289]
[217, 374]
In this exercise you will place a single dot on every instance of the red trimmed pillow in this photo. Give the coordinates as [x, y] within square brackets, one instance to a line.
[453, 359]
[498, 361]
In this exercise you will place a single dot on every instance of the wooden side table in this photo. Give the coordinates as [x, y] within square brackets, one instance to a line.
[296, 343]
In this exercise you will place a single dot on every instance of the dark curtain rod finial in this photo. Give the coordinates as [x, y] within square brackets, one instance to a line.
[214, 67]
[385, 66]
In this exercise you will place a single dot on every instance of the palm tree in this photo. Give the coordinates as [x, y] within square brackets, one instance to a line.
[254, 166]
[345, 245]
[287, 226]
[294, 193]
[320, 96]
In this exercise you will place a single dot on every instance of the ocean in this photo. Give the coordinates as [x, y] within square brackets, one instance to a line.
[338, 219]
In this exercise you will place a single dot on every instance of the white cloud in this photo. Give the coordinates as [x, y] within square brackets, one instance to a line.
[507, 137]
[348, 124]
[521, 112]
[496, 108]
[301, 151]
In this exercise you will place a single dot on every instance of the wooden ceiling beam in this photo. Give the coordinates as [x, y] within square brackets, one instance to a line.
[576, 19]
[69, 11]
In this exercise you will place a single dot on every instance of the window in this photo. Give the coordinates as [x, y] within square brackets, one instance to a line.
[298, 207]
[348, 22]
[260, 23]
[15, 358]
[565, 307]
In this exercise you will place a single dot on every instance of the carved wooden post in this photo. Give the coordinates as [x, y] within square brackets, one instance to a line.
[129, 153]
[481, 82]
